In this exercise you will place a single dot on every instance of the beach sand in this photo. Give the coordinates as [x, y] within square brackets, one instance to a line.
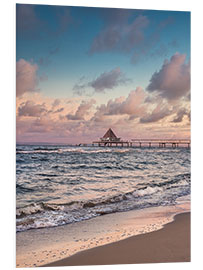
[60, 245]
[169, 244]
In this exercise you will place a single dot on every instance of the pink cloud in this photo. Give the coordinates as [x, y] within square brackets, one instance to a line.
[180, 115]
[109, 80]
[105, 81]
[29, 108]
[82, 110]
[172, 81]
[26, 77]
[133, 106]
[159, 112]
[56, 103]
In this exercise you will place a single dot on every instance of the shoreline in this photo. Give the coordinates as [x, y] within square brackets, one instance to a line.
[44, 246]
[168, 244]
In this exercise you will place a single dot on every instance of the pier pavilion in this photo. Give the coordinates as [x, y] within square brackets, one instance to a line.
[110, 139]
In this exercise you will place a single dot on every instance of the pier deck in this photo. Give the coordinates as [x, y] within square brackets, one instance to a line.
[162, 143]
[113, 143]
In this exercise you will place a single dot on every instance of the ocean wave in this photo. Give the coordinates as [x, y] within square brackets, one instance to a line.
[22, 189]
[40, 215]
[147, 191]
[36, 151]
[142, 190]
[36, 208]
[70, 150]
[94, 181]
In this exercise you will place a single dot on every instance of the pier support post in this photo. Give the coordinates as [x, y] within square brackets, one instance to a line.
[173, 145]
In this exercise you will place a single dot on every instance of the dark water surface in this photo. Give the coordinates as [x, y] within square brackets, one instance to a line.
[57, 185]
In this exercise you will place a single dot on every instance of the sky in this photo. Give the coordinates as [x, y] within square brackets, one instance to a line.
[82, 70]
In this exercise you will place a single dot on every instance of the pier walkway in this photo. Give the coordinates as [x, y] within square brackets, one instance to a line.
[161, 142]
[110, 139]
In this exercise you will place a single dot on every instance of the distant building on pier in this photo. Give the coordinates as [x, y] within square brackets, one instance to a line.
[110, 136]
[110, 139]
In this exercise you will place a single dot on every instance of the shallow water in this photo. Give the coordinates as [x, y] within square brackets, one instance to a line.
[58, 185]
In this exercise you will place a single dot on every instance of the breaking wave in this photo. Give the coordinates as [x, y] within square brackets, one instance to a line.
[70, 150]
[42, 215]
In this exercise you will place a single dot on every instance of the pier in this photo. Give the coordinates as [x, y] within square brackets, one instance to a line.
[110, 139]
[162, 143]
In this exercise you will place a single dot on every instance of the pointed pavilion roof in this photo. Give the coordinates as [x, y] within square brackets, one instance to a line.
[109, 134]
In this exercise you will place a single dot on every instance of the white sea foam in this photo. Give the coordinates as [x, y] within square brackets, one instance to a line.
[73, 150]
[147, 191]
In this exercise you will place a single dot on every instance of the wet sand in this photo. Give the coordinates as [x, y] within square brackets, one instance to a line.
[169, 244]
[48, 245]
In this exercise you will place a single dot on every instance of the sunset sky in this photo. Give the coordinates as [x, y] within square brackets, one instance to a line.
[82, 70]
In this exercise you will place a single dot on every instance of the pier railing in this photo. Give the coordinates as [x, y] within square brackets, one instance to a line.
[162, 142]
[112, 143]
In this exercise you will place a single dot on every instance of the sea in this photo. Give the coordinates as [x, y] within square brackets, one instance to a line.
[59, 184]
